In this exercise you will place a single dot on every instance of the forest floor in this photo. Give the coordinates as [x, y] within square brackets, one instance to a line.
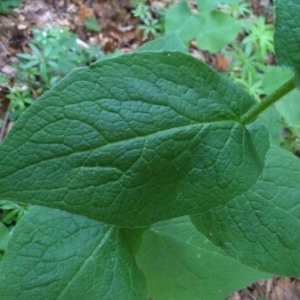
[119, 30]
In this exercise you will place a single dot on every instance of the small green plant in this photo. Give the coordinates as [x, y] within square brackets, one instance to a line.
[260, 36]
[54, 52]
[10, 215]
[150, 26]
[141, 11]
[6, 5]
[238, 9]
[246, 68]
[245, 63]
[249, 56]
[153, 176]
[20, 98]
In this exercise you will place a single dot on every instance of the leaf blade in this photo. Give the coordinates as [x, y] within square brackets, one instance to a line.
[218, 29]
[56, 255]
[180, 263]
[155, 137]
[287, 37]
[261, 227]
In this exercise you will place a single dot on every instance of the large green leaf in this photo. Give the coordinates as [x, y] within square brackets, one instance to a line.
[134, 140]
[212, 30]
[56, 255]
[262, 227]
[287, 35]
[182, 21]
[180, 263]
[216, 30]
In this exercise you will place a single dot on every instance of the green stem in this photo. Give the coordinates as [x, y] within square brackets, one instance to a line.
[268, 101]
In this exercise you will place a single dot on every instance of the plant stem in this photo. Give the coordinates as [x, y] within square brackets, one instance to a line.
[268, 101]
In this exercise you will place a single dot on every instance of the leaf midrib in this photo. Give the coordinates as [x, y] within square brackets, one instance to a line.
[115, 143]
[82, 268]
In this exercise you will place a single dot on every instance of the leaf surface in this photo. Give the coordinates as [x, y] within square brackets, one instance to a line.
[289, 109]
[212, 29]
[56, 255]
[169, 42]
[216, 30]
[181, 263]
[4, 236]
[209, 4]
[262, 227]
[287, 35]
[182, 21]
[273, 122]
[134, 140]
[275, 77]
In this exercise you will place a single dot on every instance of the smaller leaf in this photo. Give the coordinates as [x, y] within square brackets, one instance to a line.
[4, 236]
[26, 56]
[169, 42]
[261, 227]
[289, 109]
[30, 64]
[4, 79]
[35, 50]
[216, 30]
[179, 19]
[209, 4]
[92, 24]
[274, 77]
[56, 255]
[273, 122]
[180, 263]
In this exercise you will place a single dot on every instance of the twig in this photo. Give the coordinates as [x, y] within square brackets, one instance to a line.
[3, 128]
[4, 48]
[55, 5]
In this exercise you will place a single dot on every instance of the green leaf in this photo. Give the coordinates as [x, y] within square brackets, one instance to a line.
[289, 109]
[287, 35]
[4, 236]
[273, 122]
[134, 140]
[180, 263]
[4, 79]
[5, 5]
[261, 228]
[92, 24]
[179, 19]
[27, 56]
[216, 30]
[209, 4]
[169, 42]
[213, 30]
[30, 64]
[275, 77]
[56, 255]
